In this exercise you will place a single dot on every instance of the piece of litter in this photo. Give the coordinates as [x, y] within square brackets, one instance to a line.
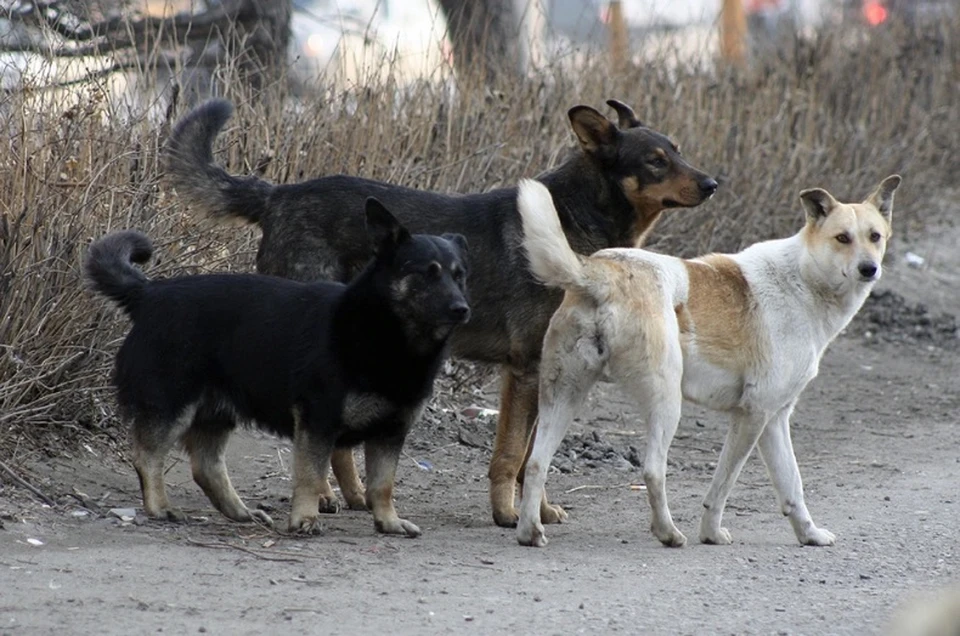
[481, 412]
[34, 541]
[269, 543]
[913, 260]
[79, 513]
[424, 464]
[638, 486]
[124, 514]
[54, 586]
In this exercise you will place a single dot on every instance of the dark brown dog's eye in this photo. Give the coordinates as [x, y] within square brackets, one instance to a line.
[434, 269]
[875, 237]
[457, 274]
[658, 162]
[843, 238]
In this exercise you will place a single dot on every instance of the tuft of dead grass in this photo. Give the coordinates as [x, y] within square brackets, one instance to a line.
[823, 113]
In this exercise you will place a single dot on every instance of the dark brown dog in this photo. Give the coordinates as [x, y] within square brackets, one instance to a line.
[609, 194]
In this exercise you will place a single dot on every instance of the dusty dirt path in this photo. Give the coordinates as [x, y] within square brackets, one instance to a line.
[877, 440]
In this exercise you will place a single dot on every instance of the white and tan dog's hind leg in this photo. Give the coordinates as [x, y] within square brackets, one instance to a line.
[570, 367]
[647, 364]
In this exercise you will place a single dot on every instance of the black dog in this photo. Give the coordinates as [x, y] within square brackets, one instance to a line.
[326, 364]
[610, 193]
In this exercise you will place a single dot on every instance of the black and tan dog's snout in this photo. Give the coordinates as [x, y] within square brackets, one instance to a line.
[708, 187]
[459, 311]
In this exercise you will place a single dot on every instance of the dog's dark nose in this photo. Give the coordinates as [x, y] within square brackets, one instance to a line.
[867, 269]
[708, 187]
[460, 312]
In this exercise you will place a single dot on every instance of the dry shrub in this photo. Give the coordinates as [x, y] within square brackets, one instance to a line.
[821, 113]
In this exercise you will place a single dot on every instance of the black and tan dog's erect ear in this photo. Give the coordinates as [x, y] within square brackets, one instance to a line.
[627, 118]
[459, 240]
[593, 130]
[383, 229]
[882, 197]
[817, 203]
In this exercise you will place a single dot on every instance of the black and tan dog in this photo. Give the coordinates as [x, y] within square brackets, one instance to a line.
[609, 194]
[326, 364]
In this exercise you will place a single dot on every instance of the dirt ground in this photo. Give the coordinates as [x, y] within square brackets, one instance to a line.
[876, 436]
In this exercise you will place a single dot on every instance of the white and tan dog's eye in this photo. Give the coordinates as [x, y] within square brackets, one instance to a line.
[843, 238]
[875, 237]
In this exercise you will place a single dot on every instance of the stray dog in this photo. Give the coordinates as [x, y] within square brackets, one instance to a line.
[741, 333]
[326, 364]
[609, 194]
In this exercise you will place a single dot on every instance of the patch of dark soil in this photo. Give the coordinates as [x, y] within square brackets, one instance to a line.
[591, 450]
[887, 316]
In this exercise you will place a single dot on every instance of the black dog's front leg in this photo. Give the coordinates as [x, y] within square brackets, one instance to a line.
[382, 456]
[311, 463]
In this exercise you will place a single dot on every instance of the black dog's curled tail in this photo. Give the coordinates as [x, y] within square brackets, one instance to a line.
[201, 182]
[109, 268]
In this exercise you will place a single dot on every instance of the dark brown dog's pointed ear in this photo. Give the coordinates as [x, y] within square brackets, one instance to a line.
[628, 119]
[818, 203]
[593, 130]
[882, 197]
[383, 229]
[459, 240]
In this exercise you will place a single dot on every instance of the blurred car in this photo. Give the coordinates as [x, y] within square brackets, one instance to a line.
[346, 39]
[913, 13]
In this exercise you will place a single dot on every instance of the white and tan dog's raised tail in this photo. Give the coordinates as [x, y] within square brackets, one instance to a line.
[551, 259]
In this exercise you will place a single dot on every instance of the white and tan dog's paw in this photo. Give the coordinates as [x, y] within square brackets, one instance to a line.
[715, 536]
[669, 535]
[398, 526]
[531, 534]
[817, 537]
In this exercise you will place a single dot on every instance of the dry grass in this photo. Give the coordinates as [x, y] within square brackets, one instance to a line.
[826, 114]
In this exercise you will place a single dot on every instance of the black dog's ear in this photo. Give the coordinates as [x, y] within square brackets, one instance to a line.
[383, 229]
[593, 130]
[459, 240]
[818, 203]
[628, 119]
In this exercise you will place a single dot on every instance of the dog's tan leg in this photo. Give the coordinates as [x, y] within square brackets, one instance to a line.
[745, 430]
[518, 399]
[776, 449]
[156, 504]
[151, 443]
[311, 463]
[206, 450]
[381, 460]
[345, 470]
[328, 503]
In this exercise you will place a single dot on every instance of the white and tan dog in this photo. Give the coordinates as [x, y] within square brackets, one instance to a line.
[741, 333]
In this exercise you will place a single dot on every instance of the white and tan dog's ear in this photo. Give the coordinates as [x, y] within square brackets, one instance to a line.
[818, 203]
[882, 197]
